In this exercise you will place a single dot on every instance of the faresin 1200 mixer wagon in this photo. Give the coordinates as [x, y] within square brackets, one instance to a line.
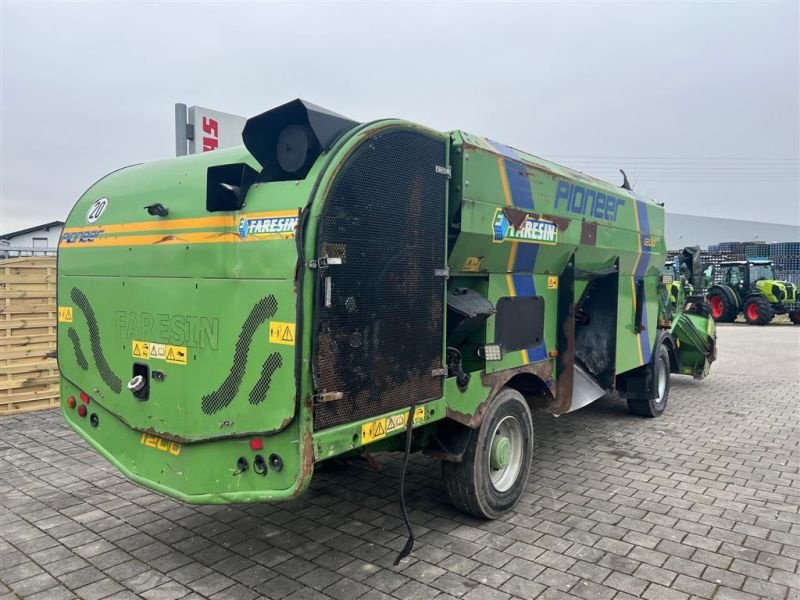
[229, 320]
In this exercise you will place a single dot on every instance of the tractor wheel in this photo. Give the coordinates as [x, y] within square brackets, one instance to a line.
[492, 474]
[757, 311]
[794, 317]
[722, 309]
[653, 407]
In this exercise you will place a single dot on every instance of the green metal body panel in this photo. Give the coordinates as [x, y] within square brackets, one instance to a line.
[209, 301]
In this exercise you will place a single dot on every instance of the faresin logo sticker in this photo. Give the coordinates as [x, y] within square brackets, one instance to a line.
[532, 231]
[267, 226]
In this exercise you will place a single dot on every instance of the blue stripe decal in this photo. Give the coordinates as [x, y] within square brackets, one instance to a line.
[644, 239]
[519, 185]
[526, 258]
[641, 271]
[506, 151]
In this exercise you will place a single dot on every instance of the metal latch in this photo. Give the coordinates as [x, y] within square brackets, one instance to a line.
[323, 397]
[438, 372]
[323, 262]
[442, 273]
[446, 171]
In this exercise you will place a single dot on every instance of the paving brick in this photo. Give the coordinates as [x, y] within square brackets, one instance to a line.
[659, 592]
[626, 583]
[693, 586]
[723, 578]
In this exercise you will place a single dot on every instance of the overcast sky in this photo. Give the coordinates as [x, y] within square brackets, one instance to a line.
[698, 102]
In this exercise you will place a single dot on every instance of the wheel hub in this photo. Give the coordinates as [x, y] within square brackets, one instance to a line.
[501, 452]
[505, 454]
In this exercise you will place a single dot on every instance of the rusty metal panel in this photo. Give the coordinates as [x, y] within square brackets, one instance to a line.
[381, 311]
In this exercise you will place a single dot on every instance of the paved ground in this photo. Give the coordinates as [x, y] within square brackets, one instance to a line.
[704, 502]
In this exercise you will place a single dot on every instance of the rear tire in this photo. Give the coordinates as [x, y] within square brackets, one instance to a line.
[794, 317]
[491, 477]
[757, 311]
[722, 309]
[654, 407]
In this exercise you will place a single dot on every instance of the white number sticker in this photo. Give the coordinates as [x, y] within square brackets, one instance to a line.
[96, 209]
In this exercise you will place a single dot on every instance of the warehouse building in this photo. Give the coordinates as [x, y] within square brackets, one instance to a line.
[691, 230]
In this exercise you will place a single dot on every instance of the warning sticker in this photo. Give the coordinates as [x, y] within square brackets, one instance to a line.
[377, 430]
[473, 263]
[65, 314]
[552, 282]
[281, 333]
[176, 355]
[373, 431]
[140, 349]
[395, 422]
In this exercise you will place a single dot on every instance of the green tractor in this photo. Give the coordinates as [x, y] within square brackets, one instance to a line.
[750, 287]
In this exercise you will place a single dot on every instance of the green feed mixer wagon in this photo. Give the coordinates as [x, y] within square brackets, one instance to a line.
[229, 320]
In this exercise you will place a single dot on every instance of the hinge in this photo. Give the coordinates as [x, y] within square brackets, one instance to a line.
[326, 397]
[323, 262]
[190, 131]
[446, 171]
[439, 372]
[442, 273]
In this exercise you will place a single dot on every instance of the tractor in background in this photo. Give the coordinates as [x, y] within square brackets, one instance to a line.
[749, 287]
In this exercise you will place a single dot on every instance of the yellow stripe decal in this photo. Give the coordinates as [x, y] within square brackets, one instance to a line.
[176, 231]
[228, 221]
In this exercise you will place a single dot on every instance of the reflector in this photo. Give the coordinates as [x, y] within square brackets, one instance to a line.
[85, 397]
[256, 444]
[82, 410]
[71, 402]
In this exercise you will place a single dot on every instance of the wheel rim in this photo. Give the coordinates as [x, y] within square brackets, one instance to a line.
[716, 306]
[661, 375]
[505, 454]
[752, 312]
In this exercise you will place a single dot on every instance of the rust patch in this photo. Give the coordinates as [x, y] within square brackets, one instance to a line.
[561, 222]
[589, 233]
[566, 362]
[496, 381]
[515, 216]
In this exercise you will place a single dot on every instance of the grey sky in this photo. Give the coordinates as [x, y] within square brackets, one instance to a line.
[698, 102]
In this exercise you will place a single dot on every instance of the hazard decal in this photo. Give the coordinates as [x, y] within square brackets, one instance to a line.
[281, 333]
[378, 429]
[176, 355]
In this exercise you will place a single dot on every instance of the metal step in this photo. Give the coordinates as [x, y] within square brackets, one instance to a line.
[584, 389]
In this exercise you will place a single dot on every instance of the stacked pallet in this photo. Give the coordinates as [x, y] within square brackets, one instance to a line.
[28, 375]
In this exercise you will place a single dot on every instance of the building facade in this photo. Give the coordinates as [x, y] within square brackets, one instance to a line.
[41, 240]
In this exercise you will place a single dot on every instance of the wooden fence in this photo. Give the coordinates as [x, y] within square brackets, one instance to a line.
[28, 377]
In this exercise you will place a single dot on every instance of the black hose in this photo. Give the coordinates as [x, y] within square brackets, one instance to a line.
[410, 541]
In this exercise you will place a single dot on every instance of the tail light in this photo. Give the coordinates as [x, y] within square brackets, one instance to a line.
[256, 444]
[71, 402]
[85, 398]
[82, 410]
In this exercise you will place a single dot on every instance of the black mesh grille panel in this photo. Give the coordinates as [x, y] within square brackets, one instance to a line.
[80, 357]
[226, 392]
[106, 374]
[381, 336]
[259, 392]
